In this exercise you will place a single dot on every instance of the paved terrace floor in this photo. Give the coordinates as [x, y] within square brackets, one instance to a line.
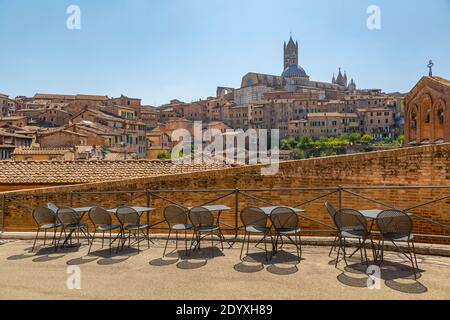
[128, 275]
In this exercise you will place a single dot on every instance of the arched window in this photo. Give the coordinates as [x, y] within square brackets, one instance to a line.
[440, 115]
[413, 119]
[428, 116]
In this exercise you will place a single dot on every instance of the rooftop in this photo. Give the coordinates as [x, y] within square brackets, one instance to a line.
[68, 172]
[332, 114]
[42, 151]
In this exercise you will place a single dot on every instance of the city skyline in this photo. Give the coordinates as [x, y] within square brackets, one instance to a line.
[200, 45]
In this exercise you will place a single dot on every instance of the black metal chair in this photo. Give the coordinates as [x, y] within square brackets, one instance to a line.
[131, 222]
[70, 221]
[203, 222]
[45, 220]
[177, 221]
[102, 222]
[52, 207]
[285, 221]
[332, 211]
[394, 226]
[254, 221]
[352, 224]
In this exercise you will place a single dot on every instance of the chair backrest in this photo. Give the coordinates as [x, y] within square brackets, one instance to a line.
[349, 219]
[331, 210]
[284, 218]
[127, 216]
[201, 217]
[253, 216]
[43, 216]
[175, 215]
[394, 221]
[52, 207]
[99, 216]
[68, 216]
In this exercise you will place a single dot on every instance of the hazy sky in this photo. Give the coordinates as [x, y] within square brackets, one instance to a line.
[184, 49]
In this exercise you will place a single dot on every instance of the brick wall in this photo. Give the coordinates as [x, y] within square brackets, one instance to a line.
[418, 166]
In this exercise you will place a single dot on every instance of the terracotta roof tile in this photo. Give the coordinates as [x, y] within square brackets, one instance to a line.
[52, 172]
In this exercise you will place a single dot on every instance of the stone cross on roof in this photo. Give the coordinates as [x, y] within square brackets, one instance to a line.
[430, 67]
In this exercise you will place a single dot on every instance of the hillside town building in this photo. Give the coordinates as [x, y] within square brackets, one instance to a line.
[290, 102]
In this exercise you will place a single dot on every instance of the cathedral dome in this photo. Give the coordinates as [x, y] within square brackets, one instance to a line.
[293, 72]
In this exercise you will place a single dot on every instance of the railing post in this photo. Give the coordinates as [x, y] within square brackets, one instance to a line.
[149, 201]
[236, 211]
[71, 199]
[340, 197]
[3, 211]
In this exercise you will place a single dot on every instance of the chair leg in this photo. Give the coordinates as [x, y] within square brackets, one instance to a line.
[120, 238]
[339, 252]
[412, 260]
[365, 254]
[344, 252]
[297, 247]
[192, 242]
[185, 242]
[300, 244]
[45, 236]
[35, 238]
[414, 253]
[93, 239]
[54, 236]
[212, 244]
[138, 241]
[167, 241]
[63, 230]
[333, 245]
[243, 244]
[248, 242]
[265, 247]
[110, 242]
[222, 239]
[360, 250]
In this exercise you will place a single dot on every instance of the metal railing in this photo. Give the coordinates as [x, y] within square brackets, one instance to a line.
[238, 198]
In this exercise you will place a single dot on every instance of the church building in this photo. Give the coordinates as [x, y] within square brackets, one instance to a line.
[427, 112]
[293, 79]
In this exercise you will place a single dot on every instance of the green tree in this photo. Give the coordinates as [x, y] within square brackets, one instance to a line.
[367, 138]
[354, 137]
[288, 144]
[164, 155]
[400, 140]
[306, 141]
[299, 154]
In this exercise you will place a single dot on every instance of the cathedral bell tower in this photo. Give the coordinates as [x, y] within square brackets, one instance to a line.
[290, 53]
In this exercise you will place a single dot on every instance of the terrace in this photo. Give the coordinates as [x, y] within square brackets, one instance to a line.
[414, 180]
[148, 273]
[128, 275]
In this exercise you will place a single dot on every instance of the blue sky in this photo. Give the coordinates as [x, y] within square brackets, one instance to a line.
[164, 49]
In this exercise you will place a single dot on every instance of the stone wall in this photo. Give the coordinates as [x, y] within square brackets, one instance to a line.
[418, 166]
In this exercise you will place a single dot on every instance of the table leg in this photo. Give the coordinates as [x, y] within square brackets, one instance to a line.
[230, 244]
